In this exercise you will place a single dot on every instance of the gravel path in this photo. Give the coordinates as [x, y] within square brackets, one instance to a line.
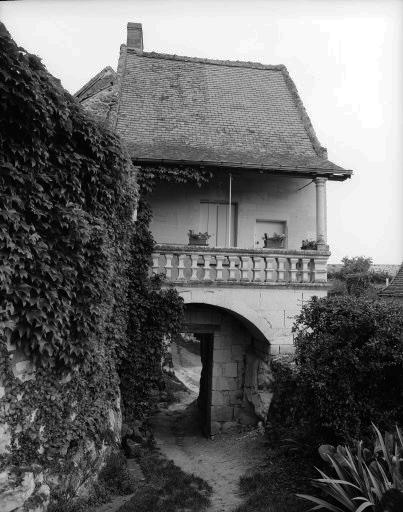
[221, 462]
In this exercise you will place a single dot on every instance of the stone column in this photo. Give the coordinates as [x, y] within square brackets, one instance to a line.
[321, 236]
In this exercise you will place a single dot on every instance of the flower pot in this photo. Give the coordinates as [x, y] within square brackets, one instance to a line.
[196, 240]
[275, 243]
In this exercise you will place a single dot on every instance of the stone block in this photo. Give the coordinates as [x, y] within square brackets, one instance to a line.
[224, 384]
[221, 413]
[220, 342]
[237, 352]
[215, 428]
[218, 370]
[5, 438]
[228, 426]
[220, 398]
[24, 370]
[246, 418]
[222, 355]
[230, 370]
[14, 496]
[235, 397]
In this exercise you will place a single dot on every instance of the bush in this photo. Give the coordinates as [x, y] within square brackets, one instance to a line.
[349, 356]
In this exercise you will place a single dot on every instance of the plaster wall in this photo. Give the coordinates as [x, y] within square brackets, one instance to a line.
[176, 208]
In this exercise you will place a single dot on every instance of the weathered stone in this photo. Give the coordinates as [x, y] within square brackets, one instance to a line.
[235, 397]
[237, 352]
[224, 384]
[11, 497]
[221, 413]
[220, 398]
[215, 428]
[218, 370]
[229, 425]
[246, 418]
[5, 438]
[24, 370]
[230, 370]
[222, 355]
[258, 385]
[220, 341]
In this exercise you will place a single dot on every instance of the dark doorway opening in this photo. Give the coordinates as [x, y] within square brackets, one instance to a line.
[206, 381]
[192, 357]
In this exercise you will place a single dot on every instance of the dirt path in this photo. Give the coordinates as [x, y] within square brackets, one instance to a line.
[221, 462]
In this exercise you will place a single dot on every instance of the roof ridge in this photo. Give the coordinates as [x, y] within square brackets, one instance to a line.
[92, 80]
[202, 60]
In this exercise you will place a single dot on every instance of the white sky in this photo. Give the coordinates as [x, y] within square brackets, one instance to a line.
[345, 56]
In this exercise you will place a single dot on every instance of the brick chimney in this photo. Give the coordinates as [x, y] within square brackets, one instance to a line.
[135, 36]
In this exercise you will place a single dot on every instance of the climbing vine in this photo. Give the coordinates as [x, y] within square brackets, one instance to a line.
[67, 197]
[81, 321]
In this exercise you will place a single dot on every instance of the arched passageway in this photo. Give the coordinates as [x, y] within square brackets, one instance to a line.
[235, 381]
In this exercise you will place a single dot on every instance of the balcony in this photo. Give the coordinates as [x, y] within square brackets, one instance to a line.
[181, 264]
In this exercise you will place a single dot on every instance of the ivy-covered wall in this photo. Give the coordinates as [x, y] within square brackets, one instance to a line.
[81, 323]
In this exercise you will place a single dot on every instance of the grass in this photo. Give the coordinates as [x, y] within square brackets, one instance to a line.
[273, 488]
[167, 487]
[114, 480]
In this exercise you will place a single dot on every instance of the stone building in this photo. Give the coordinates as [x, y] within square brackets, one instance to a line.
[245, 283]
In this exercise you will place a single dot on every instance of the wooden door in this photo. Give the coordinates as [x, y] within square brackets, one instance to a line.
[214, 220]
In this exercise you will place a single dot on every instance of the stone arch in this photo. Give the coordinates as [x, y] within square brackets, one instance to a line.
[260, 326]
[237, 367]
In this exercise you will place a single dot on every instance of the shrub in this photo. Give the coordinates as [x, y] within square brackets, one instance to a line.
[349, 356]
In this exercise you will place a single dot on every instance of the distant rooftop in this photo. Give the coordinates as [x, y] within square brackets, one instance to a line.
[395, 289]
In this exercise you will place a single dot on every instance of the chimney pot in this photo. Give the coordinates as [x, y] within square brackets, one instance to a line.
[135, 36]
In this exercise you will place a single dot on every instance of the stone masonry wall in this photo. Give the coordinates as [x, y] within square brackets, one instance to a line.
[31, 490]
[241, 370]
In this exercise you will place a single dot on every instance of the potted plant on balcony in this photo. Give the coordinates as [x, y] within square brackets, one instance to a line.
[276, 241]
[309, 245]
[198, 238]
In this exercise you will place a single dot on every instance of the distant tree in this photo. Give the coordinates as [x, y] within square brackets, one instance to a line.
[356, 278]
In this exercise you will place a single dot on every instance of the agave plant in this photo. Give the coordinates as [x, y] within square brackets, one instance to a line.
[363, 476]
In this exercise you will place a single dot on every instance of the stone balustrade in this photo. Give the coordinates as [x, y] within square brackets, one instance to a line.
[191, 264]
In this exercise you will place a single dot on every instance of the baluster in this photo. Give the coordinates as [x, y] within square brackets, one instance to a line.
[257, 270]
[194, 267]
[156, 266]
[281, 269]
[233, 271]
[293, 270]
[181, 267]
[207, 267]
[306, 272]
[320, 272]
[220, 259]
[269, 269]
[245, 268]
[168, 266]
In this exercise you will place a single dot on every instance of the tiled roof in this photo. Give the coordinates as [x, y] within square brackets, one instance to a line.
[217, 112]
[395, 289]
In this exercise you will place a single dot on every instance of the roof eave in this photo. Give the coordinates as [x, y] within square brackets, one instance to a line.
[301, 171]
